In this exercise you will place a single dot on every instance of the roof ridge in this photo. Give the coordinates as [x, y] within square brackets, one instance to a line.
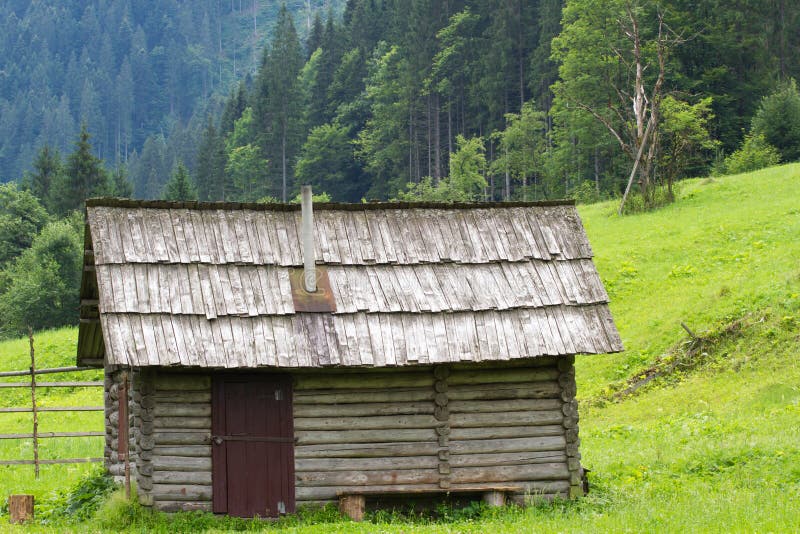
[114, 202]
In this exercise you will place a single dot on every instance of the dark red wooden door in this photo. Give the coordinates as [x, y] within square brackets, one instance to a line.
[252, 451]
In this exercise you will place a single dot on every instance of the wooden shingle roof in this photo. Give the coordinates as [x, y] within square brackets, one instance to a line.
[208, 285]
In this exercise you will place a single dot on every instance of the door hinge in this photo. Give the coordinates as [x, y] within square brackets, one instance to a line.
[281, 507]
[278, 394]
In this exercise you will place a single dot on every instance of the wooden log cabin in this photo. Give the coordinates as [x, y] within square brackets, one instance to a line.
[435, 354]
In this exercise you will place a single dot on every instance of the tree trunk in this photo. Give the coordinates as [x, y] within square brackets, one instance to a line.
[283, 162]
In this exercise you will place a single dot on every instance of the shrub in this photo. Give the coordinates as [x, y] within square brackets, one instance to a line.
[778, 120]
[755, 153]
[41, 285]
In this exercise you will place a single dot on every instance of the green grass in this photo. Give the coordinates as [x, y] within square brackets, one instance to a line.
[707, 449]
[54, 348]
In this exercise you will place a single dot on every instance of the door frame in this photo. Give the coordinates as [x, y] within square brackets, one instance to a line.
[219, 471]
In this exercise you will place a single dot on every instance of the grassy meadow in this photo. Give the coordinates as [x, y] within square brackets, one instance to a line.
[711, 444]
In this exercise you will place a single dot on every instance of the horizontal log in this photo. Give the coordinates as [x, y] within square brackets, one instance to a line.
[315, 503]
[506, 458]
[535, 390]
[181, 463]
[397, 379]
[182, 422]
[509, 473]
[547, 443]
[192, 437]
[182, 396]
[331, 492]
[509, 405]
[462, 488]
[506, 432]
[315, 437]
[366, 464]
[526, 363]
[182, 492]
[182, 382]
[541, 488]
[183, 450]
[358, 395]
[182, 477]
[367, 478]
[471, 420]
[360, 409]
[180, 506]
[366, 450]
[380, 422]
[499, 376]
[182, 409]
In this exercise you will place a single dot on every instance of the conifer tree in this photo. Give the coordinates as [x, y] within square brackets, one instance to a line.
[211, 159]
[47, 169]
[180, 185]
[121, 186]
[278, 110]
[84, 177]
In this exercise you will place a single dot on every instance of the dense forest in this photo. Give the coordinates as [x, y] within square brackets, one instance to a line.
[454, 100]
[129, 70]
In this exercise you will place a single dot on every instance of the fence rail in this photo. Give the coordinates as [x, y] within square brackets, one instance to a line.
[35, 409]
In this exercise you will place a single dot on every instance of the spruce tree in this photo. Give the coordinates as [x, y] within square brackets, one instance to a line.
[278, 110]
[47, 169]
[121, 186]
[210, 165]
[180, 185]
[83, 177]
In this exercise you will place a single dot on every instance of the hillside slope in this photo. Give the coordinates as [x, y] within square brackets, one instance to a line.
[711, 446]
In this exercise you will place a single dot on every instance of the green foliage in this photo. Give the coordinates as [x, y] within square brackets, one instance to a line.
[22, 217]
[465, 183]
[521, 146]
[84, 177]
[778, 121]
[211, 161]
[277, 104]
[380, 145]
[316, 197]
[180, 185]
[685, 140]
[81, 501]
[327, 161]
[40, 288]
[120, 184]
[47, 170]
[754, 154]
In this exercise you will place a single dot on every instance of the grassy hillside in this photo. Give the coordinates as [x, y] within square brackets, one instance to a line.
[712, 444]
[53, 349]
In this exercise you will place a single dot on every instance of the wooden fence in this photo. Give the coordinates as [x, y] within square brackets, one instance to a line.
[35, 435]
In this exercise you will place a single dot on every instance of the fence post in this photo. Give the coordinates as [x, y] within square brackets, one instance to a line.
[33, 407]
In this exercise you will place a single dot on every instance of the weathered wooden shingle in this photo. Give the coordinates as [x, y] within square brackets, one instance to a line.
[210, 286]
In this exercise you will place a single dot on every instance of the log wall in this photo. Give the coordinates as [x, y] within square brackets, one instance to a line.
[175, 470]
[440, 427]
[420, 428]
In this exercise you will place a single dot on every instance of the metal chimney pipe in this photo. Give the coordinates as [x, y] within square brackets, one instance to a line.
[309, 267]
